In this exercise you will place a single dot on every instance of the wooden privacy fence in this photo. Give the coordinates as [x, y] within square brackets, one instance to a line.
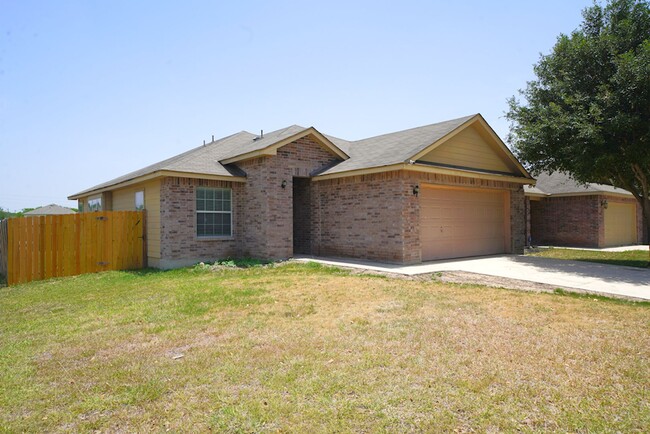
[66, 245]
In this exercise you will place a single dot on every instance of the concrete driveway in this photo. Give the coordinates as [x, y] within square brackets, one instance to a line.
[586, 276]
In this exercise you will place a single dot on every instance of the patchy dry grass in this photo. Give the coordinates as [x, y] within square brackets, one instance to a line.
[306, 348]
[632, 258]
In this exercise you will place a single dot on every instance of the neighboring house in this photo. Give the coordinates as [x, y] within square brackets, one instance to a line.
[562, 212]
[450, 189]
[52, 209]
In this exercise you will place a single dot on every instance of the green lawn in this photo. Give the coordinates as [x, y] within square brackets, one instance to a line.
[298, 348]
[632, 258]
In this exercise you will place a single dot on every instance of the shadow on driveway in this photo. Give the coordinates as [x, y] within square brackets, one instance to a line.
[606, 272]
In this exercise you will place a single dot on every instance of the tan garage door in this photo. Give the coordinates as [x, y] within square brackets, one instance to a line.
[620, 224]
[455, 223]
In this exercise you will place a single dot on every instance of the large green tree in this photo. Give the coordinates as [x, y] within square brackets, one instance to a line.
[588, 111]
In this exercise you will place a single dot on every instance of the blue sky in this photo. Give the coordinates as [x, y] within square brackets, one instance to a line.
[92, 90]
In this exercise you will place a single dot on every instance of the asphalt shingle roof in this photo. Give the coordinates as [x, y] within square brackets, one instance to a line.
[391, 148]
[379, 151]
[203, 160]
[562, 183]
[52, 209]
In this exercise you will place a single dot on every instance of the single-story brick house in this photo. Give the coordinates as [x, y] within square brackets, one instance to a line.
[562, 212]
[450, 189]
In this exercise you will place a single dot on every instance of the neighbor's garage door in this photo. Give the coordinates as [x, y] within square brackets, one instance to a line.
[620, 224]
[456, 223]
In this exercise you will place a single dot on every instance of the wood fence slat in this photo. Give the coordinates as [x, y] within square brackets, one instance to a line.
[132, 233]
[36, 253]
[58, 246]
[4, 246]
[79, 252]
[12, 252]
[119, 237]
[67, 241]
[4, 249]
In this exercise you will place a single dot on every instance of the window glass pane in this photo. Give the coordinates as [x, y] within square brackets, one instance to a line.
[213, 216]
[95, 204]
[139, 200]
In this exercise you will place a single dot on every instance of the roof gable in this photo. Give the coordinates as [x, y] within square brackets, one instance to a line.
[471, 148]
[392, 148]
[270, 143]
[417, 147]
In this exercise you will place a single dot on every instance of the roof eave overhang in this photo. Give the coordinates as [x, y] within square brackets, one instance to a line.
[593, 193]
[156, 175]
[427, 169]
[531, 194]
[273, 148]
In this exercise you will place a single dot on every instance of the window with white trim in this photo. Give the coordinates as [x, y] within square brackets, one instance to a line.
[139, 200]
[213, 212]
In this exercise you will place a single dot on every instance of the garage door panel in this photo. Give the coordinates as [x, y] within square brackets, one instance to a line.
[457, 223]
[620, 224]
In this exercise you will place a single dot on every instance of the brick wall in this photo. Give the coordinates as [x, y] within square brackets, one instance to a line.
[518, 220]
[377, 216]
[567, 221]
[576, 221]
[360, 217]
[180, 245]
[268, 208]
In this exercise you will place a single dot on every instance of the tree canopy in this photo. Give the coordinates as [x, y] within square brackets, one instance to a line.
[588, 111]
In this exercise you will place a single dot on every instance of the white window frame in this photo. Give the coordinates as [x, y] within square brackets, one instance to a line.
[198, 211]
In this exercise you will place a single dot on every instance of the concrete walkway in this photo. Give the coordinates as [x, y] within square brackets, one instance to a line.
[586, 276]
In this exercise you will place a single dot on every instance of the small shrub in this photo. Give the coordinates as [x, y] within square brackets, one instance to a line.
[232, 263]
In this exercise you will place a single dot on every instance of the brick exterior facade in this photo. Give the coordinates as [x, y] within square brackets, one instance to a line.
[576, 221]
[360, 217]
[268, 207]
[180, 245]
[377, 216]
[373, 216]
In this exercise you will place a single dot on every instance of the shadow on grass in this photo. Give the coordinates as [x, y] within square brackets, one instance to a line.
[146, 271]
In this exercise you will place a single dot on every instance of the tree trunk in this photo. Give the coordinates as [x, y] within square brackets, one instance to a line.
[643, 197]
[645, 207]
